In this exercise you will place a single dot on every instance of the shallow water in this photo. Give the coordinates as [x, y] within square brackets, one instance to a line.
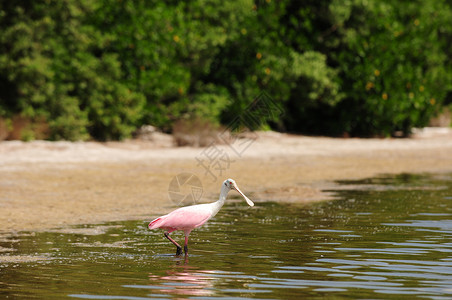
[388, 237]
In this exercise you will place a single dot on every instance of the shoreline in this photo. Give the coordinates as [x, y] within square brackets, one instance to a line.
[47, 185]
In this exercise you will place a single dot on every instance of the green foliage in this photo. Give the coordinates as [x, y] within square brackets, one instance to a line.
[99, 69]
[391, 64]
[395, 64]
[57, 69]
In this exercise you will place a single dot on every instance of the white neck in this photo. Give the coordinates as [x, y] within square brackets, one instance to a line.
[216, 206]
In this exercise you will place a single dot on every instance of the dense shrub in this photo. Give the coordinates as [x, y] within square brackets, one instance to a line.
[391, 64]
[79, 69]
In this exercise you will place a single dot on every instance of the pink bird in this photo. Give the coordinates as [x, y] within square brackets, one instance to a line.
[190, 217]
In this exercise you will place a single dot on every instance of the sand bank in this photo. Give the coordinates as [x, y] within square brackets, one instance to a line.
[47, 185]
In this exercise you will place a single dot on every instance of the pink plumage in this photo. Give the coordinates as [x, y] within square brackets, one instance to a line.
[185, 218]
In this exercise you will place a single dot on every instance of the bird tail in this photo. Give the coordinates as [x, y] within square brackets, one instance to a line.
[155, 224]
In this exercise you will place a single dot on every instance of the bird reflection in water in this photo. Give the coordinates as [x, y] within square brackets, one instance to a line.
[184, 280]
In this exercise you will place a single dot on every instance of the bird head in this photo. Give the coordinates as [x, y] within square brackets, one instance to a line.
[231, 185]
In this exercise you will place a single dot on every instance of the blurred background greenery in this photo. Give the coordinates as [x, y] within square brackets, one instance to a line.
[100, 69]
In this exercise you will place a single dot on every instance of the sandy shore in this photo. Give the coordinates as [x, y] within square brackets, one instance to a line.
[46, 185]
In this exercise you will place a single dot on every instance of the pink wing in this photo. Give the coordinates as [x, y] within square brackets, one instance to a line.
[156, 223]
[182, 218]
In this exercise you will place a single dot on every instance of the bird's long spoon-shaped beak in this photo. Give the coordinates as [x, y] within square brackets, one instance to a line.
[250, 203]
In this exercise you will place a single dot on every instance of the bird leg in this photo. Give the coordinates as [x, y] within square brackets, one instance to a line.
[179, 248]
[186, 245]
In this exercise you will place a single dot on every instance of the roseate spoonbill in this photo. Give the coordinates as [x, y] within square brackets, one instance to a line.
[190, 217]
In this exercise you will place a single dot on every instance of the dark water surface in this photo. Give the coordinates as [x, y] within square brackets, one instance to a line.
[388, 237]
